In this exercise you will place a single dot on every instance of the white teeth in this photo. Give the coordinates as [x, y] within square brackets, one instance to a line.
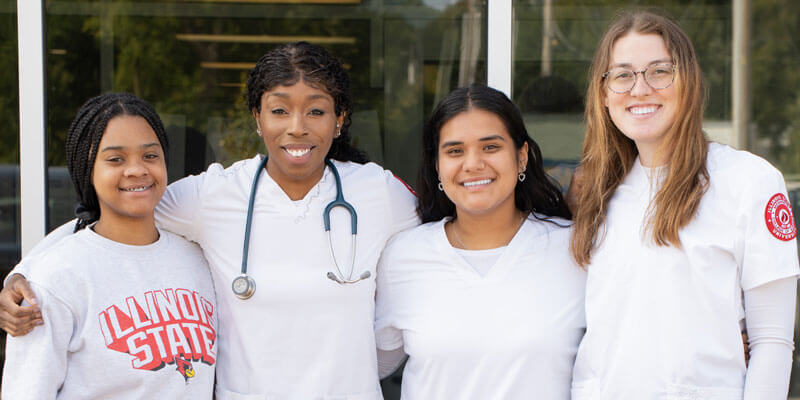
[476, 183]
[136, 189]
[642, 110]
[297, 152]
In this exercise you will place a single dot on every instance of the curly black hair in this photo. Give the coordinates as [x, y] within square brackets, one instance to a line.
[84, 136]
[538, 194]
[286, 65]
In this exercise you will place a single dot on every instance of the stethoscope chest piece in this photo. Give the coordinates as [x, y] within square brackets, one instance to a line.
[243, 287]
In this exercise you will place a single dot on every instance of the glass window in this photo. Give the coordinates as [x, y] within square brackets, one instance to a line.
[553, 47]
[191, 59]
[9, 137]
[9, 143]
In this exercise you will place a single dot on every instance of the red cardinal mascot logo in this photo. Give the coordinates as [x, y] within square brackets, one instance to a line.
[184, 367]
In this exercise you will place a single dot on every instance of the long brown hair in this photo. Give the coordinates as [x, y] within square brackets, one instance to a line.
[608, 155]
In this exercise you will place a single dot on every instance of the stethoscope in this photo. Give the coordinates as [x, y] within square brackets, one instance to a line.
[244, 286]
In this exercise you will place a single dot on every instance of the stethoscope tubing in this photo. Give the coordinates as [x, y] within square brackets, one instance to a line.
[250, 205]
[244, 286]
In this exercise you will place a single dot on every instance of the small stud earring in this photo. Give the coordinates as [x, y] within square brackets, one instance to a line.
[258, 131]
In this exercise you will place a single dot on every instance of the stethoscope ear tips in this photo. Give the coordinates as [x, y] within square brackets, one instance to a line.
[333, 277]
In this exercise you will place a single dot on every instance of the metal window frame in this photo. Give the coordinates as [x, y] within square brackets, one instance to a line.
[499, 45]
[32, 128]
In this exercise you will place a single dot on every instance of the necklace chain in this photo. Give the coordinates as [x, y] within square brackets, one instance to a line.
[461, 244]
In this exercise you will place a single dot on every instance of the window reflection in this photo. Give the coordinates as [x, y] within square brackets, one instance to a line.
[9, 143]
[191, 59]
[9, 138]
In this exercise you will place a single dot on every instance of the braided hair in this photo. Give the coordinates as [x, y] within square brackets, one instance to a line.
[84, 136]
[286, 65]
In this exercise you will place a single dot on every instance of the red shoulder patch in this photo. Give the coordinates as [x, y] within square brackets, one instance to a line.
[410, 189]
[779, 218]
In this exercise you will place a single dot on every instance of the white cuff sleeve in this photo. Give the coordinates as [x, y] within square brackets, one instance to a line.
[769, 314]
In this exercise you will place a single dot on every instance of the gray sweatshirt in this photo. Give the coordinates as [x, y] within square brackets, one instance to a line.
[120, 322]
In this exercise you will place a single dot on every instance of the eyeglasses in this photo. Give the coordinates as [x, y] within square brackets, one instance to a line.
[658, 76]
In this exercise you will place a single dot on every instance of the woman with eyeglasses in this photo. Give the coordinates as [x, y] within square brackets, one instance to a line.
[686, 242]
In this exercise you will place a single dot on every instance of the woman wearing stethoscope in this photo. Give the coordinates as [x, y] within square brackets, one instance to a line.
[296, 305]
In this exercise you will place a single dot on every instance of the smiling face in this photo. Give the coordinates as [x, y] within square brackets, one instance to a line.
[129, 174]
[643, 114]
[478, 163]
[298, 124]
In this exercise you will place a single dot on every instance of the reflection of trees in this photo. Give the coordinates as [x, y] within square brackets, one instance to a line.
[72, 77]
[112, 46]
[577, 27]
[775, 99]
[775, 81]
[9, 92]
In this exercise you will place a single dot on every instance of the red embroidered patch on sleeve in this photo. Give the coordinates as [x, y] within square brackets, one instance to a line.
[779, 218]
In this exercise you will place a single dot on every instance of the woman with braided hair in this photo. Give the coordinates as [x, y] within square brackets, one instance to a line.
[95, 284]
[306, 331]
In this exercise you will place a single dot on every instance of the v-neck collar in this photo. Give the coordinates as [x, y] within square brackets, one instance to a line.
[271, 193]
[501, 265]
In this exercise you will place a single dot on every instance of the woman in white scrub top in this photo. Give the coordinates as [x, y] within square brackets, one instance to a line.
[301, 335]
[686, 242]
[484, 297]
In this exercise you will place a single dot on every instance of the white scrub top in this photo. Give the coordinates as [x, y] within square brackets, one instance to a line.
[511, 334]
[301, 336]
[664, 322]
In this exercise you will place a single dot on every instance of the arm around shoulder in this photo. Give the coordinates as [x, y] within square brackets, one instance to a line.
[36, 364]
[16, 319]
[178, 208]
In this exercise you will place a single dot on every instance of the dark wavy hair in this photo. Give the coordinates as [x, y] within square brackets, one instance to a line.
[286, 65]
[539, 193]
[83, 138]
